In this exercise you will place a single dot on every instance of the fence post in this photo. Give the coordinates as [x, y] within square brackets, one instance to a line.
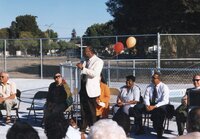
[81, 47]
[41, 60]
[133, 67]
[116, 39]
[5, 64]
[158, 50]
[108, 72]
[62, 69]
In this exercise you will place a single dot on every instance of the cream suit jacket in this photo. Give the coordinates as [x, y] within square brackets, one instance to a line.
[93, 76]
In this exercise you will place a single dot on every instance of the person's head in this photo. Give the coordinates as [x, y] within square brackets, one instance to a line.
[196, 80]
[103, 79]
[22, 130]
[4, 76]
[156, 78]
[55, 126]
[89, 52]
[72, 122]
[58, 78]
[130, 79]
[106, 129]
[193, 120]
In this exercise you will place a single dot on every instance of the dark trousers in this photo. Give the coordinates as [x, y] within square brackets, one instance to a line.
[181, 117]
[158, 115]
[137, 112]
[88, 109]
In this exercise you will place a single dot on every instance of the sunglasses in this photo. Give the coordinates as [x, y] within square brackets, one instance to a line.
[195, 80]
[57, 76]
[154, 77]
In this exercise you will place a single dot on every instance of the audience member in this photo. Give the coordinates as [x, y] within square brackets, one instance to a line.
[106, 129]
[129, 95]
[90, 87]
[193, 125]
[102, 109]
[122, 120]
[22, 130]
[56, 97]
[7, 95]
[156, 102]
[182, 111]
[57, 127]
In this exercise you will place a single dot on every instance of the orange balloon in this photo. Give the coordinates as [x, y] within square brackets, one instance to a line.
[118, 47]
[131, 42]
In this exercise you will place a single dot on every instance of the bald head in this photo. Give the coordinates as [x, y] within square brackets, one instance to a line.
[4, 76]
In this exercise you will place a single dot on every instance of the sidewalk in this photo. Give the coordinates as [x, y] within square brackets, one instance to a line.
[29, 87]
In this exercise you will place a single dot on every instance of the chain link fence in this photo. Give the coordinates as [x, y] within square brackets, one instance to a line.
[175, 55]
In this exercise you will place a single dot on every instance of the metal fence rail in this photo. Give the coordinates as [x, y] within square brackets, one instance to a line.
[178, 79]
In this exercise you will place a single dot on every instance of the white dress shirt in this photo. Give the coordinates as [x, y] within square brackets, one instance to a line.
[162, 91]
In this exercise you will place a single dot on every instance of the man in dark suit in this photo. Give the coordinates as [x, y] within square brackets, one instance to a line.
[90, 87]
[182, 110]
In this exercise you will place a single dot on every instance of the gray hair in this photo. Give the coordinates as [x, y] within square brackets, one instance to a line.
[106, 129]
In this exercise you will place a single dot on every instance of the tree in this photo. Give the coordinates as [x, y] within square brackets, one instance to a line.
[26, 44]
[163, 16]
[152, 16]
[99, 30]
[51, 34]
[4, 34]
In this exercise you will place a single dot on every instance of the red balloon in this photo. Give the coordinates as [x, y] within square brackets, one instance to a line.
[118, 47]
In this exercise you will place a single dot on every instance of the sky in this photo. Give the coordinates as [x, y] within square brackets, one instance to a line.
[60, 15]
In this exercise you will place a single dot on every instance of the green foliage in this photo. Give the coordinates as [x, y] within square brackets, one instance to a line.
[99, 30]
[26, 45]
[4, 33]
[51, 34]
[152, 16]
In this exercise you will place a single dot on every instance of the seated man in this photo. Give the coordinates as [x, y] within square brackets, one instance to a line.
[182, 110]
[193, 125]
[156, 102]
[7, 94]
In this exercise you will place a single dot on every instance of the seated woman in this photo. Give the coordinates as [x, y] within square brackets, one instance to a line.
[129, 95]
[102, 109]
[56, 97]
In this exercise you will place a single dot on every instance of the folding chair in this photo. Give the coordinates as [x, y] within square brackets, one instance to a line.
[114, 92]
[16, 106]
[37, 104]
[74, 108]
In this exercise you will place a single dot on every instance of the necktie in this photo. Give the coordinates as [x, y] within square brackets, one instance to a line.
[155, 95]
[84, 77]
[87, 63]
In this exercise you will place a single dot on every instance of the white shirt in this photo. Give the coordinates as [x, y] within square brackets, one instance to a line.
[8, 89]
[73, 133]
[162, 91]
[131, 94]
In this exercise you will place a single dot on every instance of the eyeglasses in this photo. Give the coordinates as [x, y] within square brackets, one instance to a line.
[58, 76]
[195, 80]
[154, 77]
